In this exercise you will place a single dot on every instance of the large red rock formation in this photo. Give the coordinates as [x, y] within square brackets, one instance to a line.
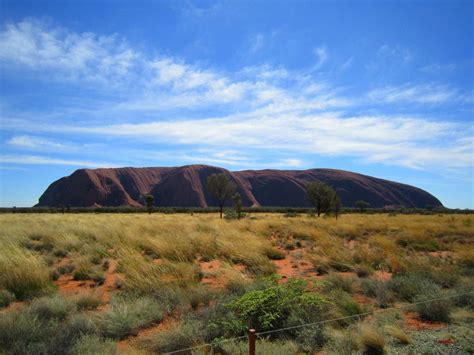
[186, 187]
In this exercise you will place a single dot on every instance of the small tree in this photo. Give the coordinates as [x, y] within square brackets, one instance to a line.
[362, 205]
[150, 200]
[237, 204]
[336, 205]
[221, 188]
[319, 195]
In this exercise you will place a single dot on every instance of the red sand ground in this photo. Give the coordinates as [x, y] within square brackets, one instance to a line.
[413, 322]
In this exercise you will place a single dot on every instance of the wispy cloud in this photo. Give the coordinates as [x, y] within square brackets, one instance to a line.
[438, 68]
[256, 43]
[421, 94]
[322, 56]
[347, 64]
[32, 142]
[42, 160]
[260, 107]
[405, 141]
[74, 56]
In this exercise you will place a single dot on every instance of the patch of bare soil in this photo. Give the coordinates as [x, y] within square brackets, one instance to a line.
[412, 321]
[295, 266]
[381, 275]
[67, 285]
[363, 300]
[110, 281]
[210, 274]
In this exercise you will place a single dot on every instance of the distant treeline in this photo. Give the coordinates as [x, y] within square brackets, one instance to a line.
[287, 210]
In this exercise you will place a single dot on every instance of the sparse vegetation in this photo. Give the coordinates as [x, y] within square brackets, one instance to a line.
[209, 278]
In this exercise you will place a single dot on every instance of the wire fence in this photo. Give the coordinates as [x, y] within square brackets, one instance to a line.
[359, 315]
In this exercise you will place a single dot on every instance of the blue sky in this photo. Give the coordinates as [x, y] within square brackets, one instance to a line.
[384, 88]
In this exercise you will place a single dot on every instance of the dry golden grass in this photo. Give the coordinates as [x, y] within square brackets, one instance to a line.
[160, 257]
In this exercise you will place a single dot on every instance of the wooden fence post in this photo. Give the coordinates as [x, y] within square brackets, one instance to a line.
[252, 341]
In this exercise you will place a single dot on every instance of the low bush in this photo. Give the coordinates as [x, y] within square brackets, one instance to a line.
[274, 254]
[346, 305]
[83, 274]
[436, 311]
[93, 344]
[125, 317]
[409, 286]
[343, 282]
[6, 298]
[378, 289]
[186, 334]
[23, 273]
[198, 295]
[52, 308]
[371, 341]
[274, 306]
[23, 333]
[87, 301]
[465, 290]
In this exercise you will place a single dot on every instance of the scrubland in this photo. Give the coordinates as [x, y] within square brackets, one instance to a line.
[138, 284]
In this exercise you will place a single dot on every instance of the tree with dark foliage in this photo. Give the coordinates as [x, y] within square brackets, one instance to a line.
[221, 188]
[319, 195]
[150, 200]
[362, 205]
[336, 204]
[237, 204]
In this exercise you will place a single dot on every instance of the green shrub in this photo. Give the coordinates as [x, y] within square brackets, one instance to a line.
[198, 295]
[436, 311]
[274, 254]
[378, 289]
[48, 308]
[342, 282]
[126, 316]
[82, 274]
[23, 333]
[6, 298]
[92, 345]
[66, 269]
[270, 307]
[411, 285]
[69, 332]
[86, 301]
[466, 298]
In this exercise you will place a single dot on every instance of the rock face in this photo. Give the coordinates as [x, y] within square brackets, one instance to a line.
[186, 187]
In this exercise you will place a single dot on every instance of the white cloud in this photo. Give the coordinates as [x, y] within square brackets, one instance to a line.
[41, 160]
[405, 141]
[394, 52]
[322, 56]
[31, 142]
[438, 68]
[76, 56]
[260, 107]
[421, 94]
